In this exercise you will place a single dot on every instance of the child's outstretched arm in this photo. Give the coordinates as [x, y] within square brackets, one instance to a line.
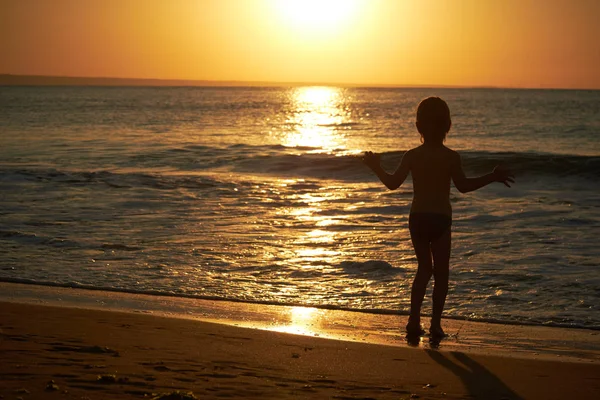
[465, 185]
[391, 181]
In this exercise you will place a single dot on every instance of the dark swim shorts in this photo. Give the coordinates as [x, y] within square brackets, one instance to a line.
[428, 226]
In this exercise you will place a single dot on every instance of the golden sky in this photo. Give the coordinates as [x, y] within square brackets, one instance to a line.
[514, 43]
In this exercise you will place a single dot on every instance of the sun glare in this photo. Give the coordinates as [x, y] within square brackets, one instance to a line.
[317, 15]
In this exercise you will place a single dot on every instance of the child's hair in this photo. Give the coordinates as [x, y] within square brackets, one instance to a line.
[433, 119]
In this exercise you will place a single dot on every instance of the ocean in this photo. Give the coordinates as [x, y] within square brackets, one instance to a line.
[259, 195]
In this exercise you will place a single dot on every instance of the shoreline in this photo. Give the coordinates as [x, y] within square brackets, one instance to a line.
[519, 341]
[217, 300]
[83, 353]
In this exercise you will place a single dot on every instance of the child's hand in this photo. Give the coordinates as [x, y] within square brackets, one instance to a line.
[371, 160]
[503, 175]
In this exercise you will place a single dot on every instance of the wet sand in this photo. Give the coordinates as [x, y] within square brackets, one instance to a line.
[98, 354]
[521, 341]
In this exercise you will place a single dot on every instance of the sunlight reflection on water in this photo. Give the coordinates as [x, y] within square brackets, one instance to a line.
[316, 119]
[313, 247]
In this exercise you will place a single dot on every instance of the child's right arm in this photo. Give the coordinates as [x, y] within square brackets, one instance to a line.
[391, 181]
[465, 185]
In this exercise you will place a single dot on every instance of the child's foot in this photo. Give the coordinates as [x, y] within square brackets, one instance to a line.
[437, 332]
[414, 329]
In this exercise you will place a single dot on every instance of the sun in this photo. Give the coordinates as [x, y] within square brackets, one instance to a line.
[317, 16]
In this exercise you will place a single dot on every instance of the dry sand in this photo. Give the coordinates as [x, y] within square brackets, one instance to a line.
[92, 354]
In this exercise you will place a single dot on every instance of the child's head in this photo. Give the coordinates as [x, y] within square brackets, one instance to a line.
[433, 119]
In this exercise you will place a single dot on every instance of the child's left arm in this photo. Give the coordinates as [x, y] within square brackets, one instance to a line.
[391, 181]
[465, 185]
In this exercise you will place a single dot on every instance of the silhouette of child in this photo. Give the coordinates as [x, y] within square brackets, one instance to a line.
[432, 166]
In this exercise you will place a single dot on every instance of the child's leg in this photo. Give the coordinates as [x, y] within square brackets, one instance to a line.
[440, 250]
[424, 271]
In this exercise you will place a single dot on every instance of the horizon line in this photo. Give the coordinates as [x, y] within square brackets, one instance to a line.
[8, 79]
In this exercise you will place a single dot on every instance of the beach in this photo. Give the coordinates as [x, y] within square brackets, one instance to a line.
[77, 352]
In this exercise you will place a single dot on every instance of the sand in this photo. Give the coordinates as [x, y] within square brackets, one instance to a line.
[93, 354]
[521, 341]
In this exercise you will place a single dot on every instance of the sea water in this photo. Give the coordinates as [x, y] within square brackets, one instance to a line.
[259, 195]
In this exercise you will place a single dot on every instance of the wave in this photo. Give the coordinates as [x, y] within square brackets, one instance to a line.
[39, 239]
[535, 164]
[116, 180]
[350, 167]
[337, 164]
[202, 167]
[341, 124]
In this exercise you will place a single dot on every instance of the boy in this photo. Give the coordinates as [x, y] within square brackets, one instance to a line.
[432, 166]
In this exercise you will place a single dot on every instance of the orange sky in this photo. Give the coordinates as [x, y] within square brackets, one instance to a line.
[515, 43]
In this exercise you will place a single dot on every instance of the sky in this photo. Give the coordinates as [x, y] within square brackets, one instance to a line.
[506, 43]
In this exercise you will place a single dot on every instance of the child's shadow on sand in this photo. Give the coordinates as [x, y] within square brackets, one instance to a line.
[478, 380]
